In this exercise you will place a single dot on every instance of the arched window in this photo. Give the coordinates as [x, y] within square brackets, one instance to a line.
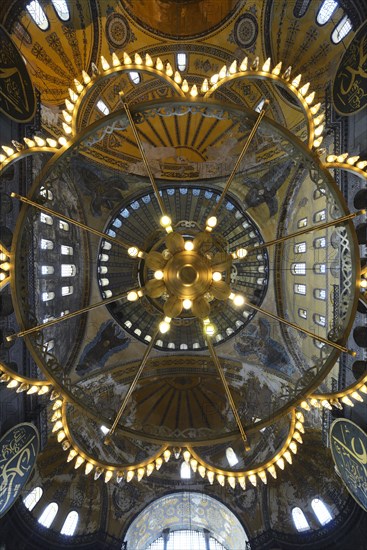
[302, 222]
[47, 269]
[300, 289]
[48, 514]
[45, 218]
[63, 225]
[32, 498]
[102, 107]
[319, 293]
[299, 248]
[320, 242]
[61, 8]
[319, 216]
[321, 512]
[319, 269]
[341, 30]
[300, 520]
[70, 524]
[66, 290]
[134, 77]
[300, 7]
[326, 11]
[67, 250]
[46, 244]
[298, 268]
[68, 270]
[231, 456]
[185, 471]
[302, 313]
[47, 296]
[181, 61]
[319, 319]
[38, 15]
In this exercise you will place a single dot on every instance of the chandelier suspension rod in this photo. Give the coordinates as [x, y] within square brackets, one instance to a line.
[308, 230]
[239, 160]
[142, 152]
[228, 393]
[71, 221]
[133, 384]
[65, 317]
[304, 330]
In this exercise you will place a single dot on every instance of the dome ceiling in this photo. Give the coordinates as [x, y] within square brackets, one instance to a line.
[172, 389]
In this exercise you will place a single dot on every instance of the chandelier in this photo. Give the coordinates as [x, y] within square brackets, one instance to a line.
[198, 282]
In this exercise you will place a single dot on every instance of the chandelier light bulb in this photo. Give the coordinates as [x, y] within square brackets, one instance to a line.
[238, 300]
[186, 304]
[211, 223]
[133, 251]
[363, 283]
[209, 329]
[164, 327]
[241, 253]
[158, 275]
[132, 296]
[165, 221]
[189, 245]
[217, 276]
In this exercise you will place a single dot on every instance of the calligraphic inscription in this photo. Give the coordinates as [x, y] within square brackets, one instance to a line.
[348, 445]
[18, 453]
[350, 82]
[17, 99]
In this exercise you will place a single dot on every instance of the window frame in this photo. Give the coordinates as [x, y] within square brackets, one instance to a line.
[320, 504]
[58, 12]
[41, 10]
[297, 291]
[337, 5]
[46, 512]
[301, 529]
[344, 20]
[298, 268]
[73, 525]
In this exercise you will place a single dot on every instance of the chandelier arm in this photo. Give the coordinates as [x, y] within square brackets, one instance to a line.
[70, 220]
[133, 384]
[239, 160]
[304, 330]
[308, 230]
[65, 317]
[228, 393]
[143, 155]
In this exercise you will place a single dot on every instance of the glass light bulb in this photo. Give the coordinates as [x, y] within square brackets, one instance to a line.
[238, 300]
[210, 329]
[189, 245]
[217, 276]
[241, 253]
[186, 304]
[212, 221]
[158, 275]
[165, 221]
[133, 251]
[164, 327]
[132, 296]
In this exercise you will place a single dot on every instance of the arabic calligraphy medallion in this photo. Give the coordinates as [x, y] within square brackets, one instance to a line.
[348, 445]
[18, 452]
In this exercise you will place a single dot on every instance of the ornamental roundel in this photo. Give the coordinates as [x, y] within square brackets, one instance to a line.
[117, 30]
[246, 30]
[350, 82]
